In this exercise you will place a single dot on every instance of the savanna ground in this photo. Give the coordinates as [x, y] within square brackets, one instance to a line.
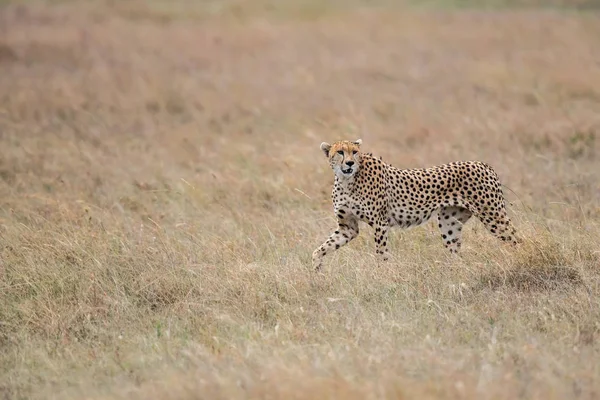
[162, 189]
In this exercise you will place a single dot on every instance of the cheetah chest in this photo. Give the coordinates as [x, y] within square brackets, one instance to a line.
[363, 208]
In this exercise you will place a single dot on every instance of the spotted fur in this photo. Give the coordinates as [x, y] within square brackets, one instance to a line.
[369, 190]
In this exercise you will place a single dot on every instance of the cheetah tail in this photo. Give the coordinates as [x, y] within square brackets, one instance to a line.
[516, 195]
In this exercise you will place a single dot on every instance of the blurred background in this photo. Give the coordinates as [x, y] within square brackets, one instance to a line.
[161, 185]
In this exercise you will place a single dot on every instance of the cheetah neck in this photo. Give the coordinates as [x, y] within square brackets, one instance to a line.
[346, 182]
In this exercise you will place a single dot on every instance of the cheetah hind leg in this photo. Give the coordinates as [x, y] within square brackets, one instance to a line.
[450, 221]
[503, 229]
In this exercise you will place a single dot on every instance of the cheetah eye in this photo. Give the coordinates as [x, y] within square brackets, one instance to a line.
[354, 152]
[341, 152]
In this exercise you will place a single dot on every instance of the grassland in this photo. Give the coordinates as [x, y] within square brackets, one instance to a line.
[162, 189]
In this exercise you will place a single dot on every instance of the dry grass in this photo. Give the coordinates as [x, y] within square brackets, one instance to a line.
[162, 189]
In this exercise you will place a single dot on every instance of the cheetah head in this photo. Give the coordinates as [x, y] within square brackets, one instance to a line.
[344, 157]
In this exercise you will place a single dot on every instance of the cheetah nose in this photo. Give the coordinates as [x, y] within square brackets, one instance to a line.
[349, 163]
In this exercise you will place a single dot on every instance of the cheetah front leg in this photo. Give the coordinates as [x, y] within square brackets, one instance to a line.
[381, 238]
[346, 231]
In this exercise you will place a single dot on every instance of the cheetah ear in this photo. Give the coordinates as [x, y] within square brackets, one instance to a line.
[358, 142]
[325, 147]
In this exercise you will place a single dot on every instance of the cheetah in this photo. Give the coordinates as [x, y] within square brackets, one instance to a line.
[369, 190]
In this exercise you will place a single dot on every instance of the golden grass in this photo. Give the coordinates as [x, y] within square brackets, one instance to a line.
[162, 189]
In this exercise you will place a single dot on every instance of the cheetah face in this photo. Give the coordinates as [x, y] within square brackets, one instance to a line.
[344, 157]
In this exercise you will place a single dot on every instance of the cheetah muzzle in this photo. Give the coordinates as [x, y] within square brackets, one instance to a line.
[348, 171]
[367, 189]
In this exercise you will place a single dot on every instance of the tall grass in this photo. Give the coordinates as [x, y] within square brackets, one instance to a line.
[162, 189]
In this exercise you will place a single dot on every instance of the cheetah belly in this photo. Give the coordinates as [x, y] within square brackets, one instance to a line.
[403, 220]
[408, 214]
